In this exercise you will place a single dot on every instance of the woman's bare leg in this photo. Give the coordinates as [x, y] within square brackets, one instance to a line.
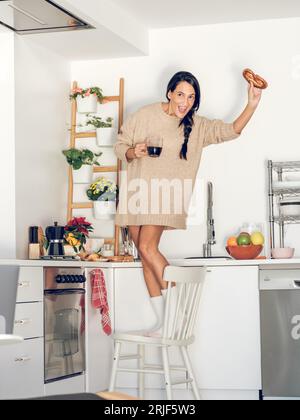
[134, 232]
[149, 239]
[151, 281]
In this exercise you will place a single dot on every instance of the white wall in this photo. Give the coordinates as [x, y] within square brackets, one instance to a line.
[42, 81]
[217, 54]
[7, 140]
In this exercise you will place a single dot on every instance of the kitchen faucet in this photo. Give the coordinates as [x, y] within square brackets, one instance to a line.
[211, 237]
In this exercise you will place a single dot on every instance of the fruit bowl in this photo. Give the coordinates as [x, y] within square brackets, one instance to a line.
[244, 252]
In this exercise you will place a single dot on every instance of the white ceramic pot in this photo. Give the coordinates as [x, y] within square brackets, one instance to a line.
[104, 209]
[69, 251]
[83, 175]
[87, 105]
[106, 136]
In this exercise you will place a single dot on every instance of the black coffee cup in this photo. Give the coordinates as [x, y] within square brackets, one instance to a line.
[154, 146]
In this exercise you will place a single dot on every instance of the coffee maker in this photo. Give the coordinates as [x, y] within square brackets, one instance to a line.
[55, 236]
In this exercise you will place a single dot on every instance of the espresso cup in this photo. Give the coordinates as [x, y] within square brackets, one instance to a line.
[154, 146]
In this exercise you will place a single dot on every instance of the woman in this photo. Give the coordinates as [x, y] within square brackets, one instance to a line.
[184, 134]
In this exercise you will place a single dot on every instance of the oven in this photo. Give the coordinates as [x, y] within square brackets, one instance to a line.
[64, 322]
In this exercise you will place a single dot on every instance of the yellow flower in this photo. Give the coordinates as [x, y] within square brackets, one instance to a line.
[72, 240]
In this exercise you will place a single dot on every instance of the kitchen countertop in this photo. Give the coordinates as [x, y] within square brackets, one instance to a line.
[268, 263]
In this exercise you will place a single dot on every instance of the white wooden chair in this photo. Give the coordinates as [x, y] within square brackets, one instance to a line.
[177, 332]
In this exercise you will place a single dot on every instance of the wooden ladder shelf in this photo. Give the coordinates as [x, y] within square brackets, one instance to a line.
[117, 169]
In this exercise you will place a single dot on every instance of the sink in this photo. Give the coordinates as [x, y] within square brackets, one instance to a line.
[201, 260]
[218, 258]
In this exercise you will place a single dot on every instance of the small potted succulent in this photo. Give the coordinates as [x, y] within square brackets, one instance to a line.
[103, 193]
[77, 231]
[82, 162]
[106, 133]
[87, 99]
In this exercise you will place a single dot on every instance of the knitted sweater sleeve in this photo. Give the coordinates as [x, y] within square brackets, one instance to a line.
[125, 138]
[217, 131]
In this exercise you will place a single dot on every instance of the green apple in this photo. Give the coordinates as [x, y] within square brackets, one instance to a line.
[243, 239]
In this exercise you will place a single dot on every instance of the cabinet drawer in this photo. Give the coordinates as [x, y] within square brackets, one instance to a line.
[22, 370]
[29, 320]
[30, 284]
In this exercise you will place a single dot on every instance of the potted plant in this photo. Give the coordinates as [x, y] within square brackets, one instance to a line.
[106, 133]
[87, 99]
[82, 162]
[82, 126]
[103, 193]
[76, 233]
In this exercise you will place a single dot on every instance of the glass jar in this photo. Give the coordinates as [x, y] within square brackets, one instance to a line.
[107, 250]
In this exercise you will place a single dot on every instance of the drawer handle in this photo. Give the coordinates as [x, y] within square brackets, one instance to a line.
[23, 359]
[22, 321]
[24, 284]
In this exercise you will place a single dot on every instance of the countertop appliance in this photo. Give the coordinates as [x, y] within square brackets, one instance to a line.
[64, 318]
[36, 16]
[55, 236]
[280, 333]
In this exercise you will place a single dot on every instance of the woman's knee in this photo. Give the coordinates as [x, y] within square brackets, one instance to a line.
[147, 251]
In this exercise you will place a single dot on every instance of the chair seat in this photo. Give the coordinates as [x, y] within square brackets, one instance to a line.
[135, 337]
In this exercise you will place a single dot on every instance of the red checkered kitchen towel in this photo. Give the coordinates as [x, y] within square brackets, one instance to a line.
[99, 298]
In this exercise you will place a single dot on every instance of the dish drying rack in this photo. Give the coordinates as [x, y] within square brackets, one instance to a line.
[278, 191]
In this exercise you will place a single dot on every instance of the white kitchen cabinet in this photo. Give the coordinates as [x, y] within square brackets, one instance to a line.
[22, 370]
[30, 284]
[22, 365]
[99, 346]
[29, 320]
[133, 307]
[226, 353]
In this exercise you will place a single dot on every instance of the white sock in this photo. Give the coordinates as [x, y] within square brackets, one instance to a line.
[158, 305]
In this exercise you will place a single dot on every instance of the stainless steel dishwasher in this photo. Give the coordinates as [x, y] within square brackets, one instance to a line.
[280, 332]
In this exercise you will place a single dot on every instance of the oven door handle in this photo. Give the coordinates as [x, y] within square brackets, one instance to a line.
[64, 291]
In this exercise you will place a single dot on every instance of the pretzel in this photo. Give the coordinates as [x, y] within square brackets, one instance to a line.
[257, 81]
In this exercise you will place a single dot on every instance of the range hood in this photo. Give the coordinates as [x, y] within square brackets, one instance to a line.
[37, 16]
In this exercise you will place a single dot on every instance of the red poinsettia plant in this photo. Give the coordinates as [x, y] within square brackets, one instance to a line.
[77, 231]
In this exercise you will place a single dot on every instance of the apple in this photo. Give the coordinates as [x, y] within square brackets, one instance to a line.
[244, 239]
[257, 238]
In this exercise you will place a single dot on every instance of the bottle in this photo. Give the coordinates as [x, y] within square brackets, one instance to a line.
[34, 251]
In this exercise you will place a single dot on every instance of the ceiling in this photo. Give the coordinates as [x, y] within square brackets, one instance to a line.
[170, 13]
[121, 27]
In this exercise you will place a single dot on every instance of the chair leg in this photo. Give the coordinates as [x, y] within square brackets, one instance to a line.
[141, 352]
[188, 366]
[166, 366]
[114, 367]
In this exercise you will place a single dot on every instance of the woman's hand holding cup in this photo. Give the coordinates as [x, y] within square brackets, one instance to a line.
[140, 150]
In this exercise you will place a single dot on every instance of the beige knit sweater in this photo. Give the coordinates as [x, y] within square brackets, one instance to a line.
[153, 190]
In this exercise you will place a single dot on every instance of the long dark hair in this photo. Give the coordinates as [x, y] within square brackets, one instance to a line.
[187, 121]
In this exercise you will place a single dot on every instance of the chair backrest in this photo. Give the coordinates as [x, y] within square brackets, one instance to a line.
[182, 301]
